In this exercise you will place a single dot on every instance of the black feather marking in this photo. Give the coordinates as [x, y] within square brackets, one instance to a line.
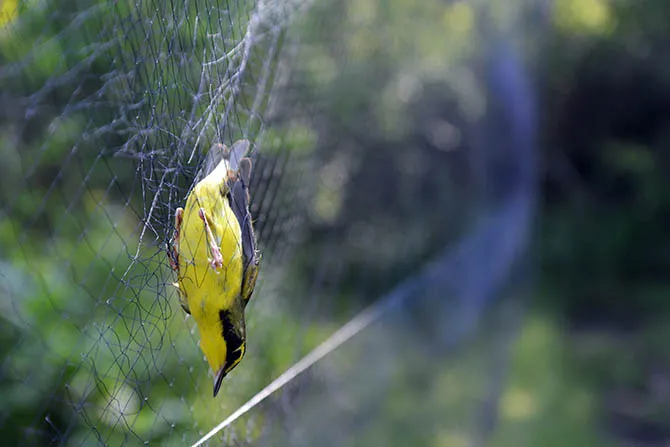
[235, 339]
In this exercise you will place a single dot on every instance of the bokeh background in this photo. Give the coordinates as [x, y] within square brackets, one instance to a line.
[488, 179]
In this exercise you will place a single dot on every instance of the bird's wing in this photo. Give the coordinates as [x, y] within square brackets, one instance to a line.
[239, 202]
[218, 152]
[237, 153]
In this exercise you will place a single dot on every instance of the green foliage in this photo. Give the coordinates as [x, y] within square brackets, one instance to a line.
[603, 242]
[398, 125]
[546, 401]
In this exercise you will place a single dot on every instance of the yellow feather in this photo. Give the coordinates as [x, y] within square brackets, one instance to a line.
[209, 259]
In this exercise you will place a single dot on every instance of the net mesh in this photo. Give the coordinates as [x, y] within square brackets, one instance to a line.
[383, 135]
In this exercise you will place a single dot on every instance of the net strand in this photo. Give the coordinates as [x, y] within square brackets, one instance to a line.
[118, 350]
[346, 332]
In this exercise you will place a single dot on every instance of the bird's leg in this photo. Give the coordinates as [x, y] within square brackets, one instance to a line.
[217, 258]
[178, 218]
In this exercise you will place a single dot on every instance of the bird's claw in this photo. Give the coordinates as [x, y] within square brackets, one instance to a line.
[217, 260]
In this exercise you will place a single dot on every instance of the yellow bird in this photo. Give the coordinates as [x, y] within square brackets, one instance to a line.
[215, 257]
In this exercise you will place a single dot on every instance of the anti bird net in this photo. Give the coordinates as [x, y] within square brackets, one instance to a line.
[391, 193]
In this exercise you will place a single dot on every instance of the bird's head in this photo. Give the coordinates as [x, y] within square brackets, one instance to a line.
[224, 343]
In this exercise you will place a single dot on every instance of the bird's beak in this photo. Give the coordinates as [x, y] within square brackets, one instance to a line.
[218, 379]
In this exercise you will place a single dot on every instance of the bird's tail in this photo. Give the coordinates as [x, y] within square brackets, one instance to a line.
[238, 152]
[224, 158]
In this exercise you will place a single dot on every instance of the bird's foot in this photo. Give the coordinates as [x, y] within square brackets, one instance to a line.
[216, 261]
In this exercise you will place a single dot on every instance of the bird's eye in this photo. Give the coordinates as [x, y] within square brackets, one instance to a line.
[234, 341]
[234, 357]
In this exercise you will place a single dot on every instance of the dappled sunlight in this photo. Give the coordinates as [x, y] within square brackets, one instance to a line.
[592, 16]
[545, 401]
[517, 404]
[459, 18]
[8, 11]
[451, 439]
